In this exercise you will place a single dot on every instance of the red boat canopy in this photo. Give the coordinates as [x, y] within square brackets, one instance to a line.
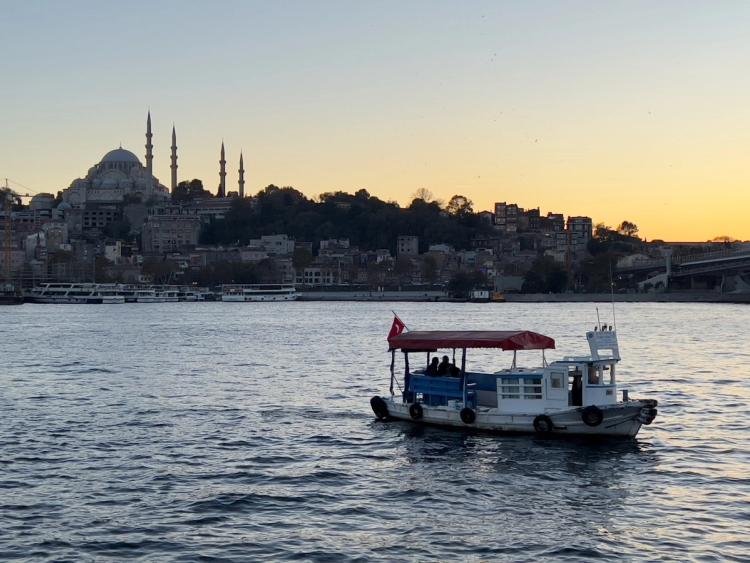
[430, 340]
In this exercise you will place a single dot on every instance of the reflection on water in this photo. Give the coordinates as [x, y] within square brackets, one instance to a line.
[243, 431]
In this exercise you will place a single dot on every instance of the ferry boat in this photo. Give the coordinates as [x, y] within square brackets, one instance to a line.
[191, 294]
[259, 292]
[9, 295]
[573, 396]
[168, 294]
[86, 293]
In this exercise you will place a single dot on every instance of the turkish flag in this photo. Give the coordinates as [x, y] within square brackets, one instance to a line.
[396, 328]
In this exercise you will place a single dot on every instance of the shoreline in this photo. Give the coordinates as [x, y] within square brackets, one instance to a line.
[436, 296]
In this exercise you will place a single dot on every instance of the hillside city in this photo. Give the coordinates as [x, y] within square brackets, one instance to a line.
[120, 224]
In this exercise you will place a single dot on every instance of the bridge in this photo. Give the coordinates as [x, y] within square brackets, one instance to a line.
[707, 268]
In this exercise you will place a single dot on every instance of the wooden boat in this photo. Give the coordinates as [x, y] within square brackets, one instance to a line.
[571, 396]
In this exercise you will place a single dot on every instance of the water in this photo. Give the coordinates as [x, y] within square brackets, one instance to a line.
[221, 431]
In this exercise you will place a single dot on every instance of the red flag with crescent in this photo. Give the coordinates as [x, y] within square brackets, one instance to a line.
[396, 328]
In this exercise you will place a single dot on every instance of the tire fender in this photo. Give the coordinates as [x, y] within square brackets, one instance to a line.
[592, 416]
[468, 416]
[543, 424]
[415, 411]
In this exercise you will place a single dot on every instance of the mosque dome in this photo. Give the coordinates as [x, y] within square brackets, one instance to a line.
[120, 155]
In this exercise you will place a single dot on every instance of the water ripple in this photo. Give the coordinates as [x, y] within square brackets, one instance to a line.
[216, 433]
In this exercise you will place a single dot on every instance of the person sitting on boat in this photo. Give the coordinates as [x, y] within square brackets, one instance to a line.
[444, 367]
[432, 369]
[454, 371]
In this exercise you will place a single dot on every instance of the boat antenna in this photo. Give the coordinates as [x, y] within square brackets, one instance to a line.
[598, 322]
[612, 294]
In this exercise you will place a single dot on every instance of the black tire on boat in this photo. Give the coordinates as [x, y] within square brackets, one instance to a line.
[415, 411]
[468, 416]
[379, 408]
[651, 417]
[543, 424]
[592, 416]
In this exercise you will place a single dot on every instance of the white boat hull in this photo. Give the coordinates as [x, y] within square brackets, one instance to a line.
[620, 419]
[254, 298]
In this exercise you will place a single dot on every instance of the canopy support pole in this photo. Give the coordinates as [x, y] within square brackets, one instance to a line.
[407, 377]
[463, 371]
[514, 359]
[393, 366]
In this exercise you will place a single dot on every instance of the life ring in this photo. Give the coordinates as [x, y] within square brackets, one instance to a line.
[379, 408]
[415, 411]
[592, 416]
[468, 416]
[543, 424]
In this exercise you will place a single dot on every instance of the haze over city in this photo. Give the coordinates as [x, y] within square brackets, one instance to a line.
[617, 110]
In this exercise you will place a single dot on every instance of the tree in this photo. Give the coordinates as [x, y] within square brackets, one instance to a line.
[459, 205]
[301, 258]
[429, 268]
[463, 282]
[161, 271]
[187, 191]
[424, 194]
[118, 230]
[628, 229]
[545, 276]
[603, 233]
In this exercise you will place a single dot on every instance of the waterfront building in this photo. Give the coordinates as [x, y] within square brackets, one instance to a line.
[554, 222]
[170, 229]
[407, 245]
[506, 217]
[581, 230]
[41, 202]
[274, 245]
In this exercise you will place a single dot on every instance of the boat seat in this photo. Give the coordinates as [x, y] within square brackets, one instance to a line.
[436, 390]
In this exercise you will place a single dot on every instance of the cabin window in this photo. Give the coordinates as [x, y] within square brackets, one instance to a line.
[556, 380]
[532, 388]
[510, 388]
[593, 376]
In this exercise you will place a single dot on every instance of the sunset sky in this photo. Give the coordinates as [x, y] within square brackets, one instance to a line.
[636, 110]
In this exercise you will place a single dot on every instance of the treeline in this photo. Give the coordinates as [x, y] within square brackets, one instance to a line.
[367, 221]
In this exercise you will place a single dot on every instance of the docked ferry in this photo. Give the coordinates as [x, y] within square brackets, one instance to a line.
[76, 293]
[573, 396]
[259, 292]
[9, 295]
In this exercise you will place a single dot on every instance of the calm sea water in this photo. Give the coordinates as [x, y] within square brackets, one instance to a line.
[219, 431]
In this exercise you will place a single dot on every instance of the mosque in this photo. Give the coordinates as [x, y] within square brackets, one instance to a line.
[120, 176]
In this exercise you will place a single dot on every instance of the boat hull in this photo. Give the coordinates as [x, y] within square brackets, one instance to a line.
[618, 420]
[256, 298]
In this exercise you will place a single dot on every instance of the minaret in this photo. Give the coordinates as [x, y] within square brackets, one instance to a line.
[149, 147]
[173, 166]
[222, 173]
[242, 177]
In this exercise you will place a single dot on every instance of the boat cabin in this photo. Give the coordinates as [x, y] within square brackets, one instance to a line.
[573, 381]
